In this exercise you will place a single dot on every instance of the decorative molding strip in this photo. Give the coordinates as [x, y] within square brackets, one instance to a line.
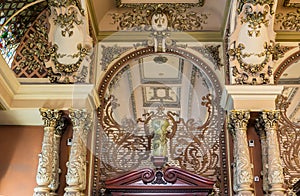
[285, 64]
[134, 5]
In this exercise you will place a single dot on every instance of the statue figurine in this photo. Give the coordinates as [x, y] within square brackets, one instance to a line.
[159, 145]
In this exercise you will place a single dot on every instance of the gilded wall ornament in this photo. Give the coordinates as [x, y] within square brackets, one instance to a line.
[247, 71]
[270, 3]
[33, 50]
[255, 20]
[179, 17]
[110, 53]
[212, 53]
[66, 3]
[289, 21]
[68, 24]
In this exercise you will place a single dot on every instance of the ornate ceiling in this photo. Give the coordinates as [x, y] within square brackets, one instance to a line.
[129, 20]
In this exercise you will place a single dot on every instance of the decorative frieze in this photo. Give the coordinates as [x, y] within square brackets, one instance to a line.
[47, 159]
[76, 174]
[243, 176]
[180, 17]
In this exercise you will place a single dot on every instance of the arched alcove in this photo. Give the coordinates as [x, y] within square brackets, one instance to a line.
[169, 99]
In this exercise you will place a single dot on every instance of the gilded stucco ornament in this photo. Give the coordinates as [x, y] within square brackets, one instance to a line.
[252, 44]
[180, 17]
[69, 63]
[289, 21]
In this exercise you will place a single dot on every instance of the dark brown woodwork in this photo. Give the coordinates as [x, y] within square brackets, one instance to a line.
[171, 181]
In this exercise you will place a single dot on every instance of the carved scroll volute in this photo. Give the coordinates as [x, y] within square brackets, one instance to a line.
[76, 174]
[70, 40]
[243, 176]
[275, 169]
[46, 158]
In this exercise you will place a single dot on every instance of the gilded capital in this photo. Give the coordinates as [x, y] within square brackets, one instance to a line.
[51, 117]
[270, 119]
[238, 119]
[80, 117]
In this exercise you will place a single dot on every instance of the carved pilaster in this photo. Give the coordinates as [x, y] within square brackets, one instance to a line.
[46, 157]
[243, 176]
[76, 175]
[275, 170]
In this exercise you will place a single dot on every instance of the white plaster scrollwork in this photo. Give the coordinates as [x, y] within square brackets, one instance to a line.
[243, 176]
[76, 174]
[46, 157]
[275, 169]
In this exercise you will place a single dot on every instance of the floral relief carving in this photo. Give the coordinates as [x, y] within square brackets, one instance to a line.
[237, 124]
[289, 21]
[255, 20]
[180, 17]
[253, 73]
[46, 157]
[76, 174]
[68, 63]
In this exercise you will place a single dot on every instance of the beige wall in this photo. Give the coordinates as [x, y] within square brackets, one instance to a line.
[19, 149]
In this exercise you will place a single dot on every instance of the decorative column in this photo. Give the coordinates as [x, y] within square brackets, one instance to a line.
[46, 157]
[76, 174]
[243, 176]
[275, 170]
[60, 128]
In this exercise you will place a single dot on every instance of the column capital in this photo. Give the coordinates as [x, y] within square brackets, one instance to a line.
[50, 117]
[270, 118]
[238, 119]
